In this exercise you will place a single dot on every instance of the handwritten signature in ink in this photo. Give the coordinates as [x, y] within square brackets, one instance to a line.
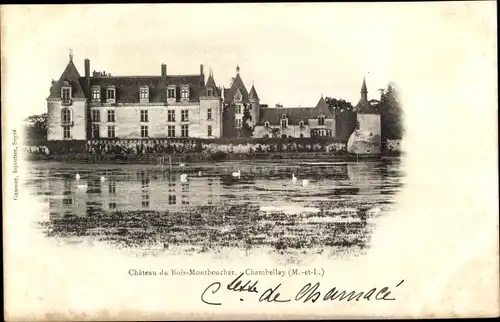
[308, 293]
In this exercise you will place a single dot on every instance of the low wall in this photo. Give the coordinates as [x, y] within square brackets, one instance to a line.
[192, 150]
[167, 146]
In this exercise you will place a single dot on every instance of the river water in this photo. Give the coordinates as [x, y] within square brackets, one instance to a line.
[152, 210]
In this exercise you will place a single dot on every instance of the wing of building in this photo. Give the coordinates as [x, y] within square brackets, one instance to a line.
[100, 105]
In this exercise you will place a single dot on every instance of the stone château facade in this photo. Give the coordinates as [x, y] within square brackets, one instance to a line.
[100, 105]
[128, 107]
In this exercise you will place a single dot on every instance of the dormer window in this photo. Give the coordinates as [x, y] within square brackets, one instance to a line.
[144, 94]
[321, 120]
[171, 93]
[110, 94]
[238, 97]
[185, 92]
[301, 124]
[96, 94]
[66, 92]
[284, 121]
[210, 92]
[266, 123]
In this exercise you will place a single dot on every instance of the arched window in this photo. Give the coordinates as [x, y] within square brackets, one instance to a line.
[321, 120]
[266, 124]
[301, 135]
[284, 121]
[65, 116]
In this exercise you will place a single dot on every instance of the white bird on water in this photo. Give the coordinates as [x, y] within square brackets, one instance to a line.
[294, 178]
[82, 186]
[199, 173]
[237, 174]
[103, 179]
[77, 177]
[184, 177]
[305, 182]
[182, 165]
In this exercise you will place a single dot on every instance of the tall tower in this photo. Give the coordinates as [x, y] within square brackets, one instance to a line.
[364, 91]
[255, 103]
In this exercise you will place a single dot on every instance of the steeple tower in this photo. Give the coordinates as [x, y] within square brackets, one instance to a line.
[71, 55]
[237, 69]
[364, 91]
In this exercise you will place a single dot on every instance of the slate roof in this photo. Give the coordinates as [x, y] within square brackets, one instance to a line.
[322, 108]
[72, 76]
[253, 94]
[273, 115]
[229, 92]
[128, 87]
[294, 114]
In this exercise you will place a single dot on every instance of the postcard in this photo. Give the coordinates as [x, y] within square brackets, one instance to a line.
[250, 161]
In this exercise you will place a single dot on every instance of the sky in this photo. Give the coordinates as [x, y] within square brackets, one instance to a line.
[293, 53]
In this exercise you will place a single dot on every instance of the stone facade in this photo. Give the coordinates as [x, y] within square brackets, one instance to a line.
[75, 126]
[105, 106]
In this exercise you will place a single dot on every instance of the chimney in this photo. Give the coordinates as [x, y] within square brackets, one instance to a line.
[201, 69]
[87, 77]
[163, 71]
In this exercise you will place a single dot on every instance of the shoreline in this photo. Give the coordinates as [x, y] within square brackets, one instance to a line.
[155, 158]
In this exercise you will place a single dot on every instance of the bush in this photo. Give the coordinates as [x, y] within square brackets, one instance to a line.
[218, 156]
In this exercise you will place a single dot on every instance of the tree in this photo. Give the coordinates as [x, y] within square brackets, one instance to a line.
[391, 113]
[36, 128]
[246, 126]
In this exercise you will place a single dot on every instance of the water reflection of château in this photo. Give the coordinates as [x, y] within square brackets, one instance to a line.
[150, 190]
[142, 206]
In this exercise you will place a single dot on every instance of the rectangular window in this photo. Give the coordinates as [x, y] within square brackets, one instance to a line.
[110, 94]
[171, 199]
[321, 121]
[66, 116]
[184, 116]
[144, 116]
[171, 93]
[185, 92]
[171, 131]
[67, 201]
[112, 205]
[111, 131]
[239, 123]
[209, 130]
[67, 132]
[111, 115]
[238, 109]
[184, 130]
[144, 131]
[209, 114]
[284, 123]
[95, 131]
[144, 94]
[66, 94]
[209, 92]
[96, 93]
[112, 187]
[171, 116]
[96, 116]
